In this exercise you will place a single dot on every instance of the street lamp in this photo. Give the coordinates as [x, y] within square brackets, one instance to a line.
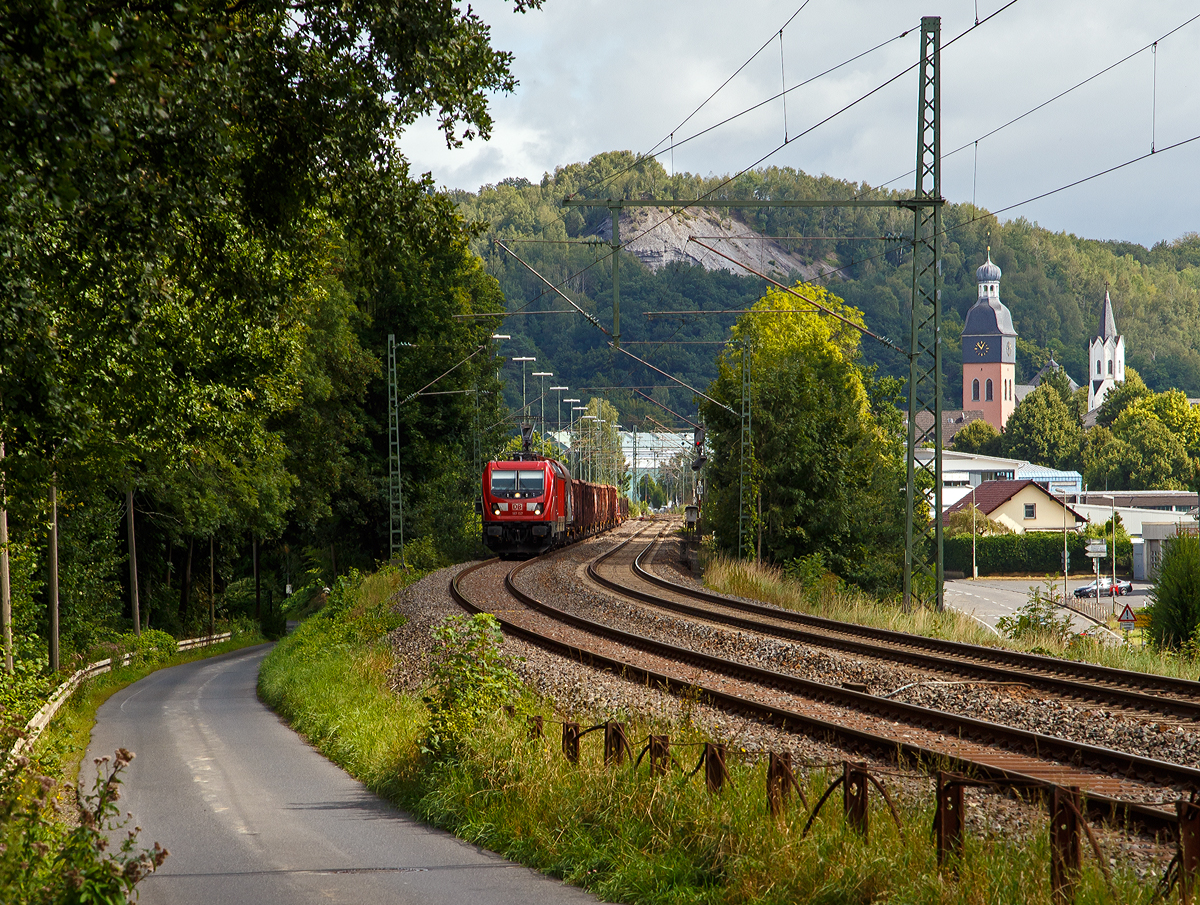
[560, 401]
[598, 451]
[578, 450]
[591, 452]
[1112, 593]
[523, 359]
[974, 564]
[543, 375]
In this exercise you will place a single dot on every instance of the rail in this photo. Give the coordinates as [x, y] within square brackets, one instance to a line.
[1039, 747]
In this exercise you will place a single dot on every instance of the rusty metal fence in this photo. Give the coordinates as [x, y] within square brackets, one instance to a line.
[1068, 825]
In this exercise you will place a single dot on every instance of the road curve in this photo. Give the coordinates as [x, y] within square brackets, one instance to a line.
[252, 814]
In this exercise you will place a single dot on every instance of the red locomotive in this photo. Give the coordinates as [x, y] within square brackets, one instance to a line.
[532, 504]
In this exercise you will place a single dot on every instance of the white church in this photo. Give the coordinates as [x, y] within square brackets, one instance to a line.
[1106, 357]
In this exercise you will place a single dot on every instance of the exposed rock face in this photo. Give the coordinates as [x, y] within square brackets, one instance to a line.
[659, 240]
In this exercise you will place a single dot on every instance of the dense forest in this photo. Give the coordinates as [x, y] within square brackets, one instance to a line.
[1053, 283]
[207, 235]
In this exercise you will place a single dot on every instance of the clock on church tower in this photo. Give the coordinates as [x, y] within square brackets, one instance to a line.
[989, 351]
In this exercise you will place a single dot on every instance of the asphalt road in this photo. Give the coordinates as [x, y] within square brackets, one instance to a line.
[252, 814]
[988, 599]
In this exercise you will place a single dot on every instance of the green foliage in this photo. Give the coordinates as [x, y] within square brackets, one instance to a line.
[1175, 598]
[651, 491]
[981, 438]
[1121, 397]
[470, 678]
[1140, 453]
[30, 685]
[1041, 619]
[827, 456]
[152, 648]
[44, 860]
[1031, 553]
[970, 520]
[207, 230]
[1042, 430]
[809, 572]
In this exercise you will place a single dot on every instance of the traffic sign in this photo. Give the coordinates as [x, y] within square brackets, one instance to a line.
[1097, 549]
[1127, 619]
[1141, 620]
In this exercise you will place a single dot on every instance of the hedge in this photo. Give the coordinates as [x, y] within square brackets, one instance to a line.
[1032, 553]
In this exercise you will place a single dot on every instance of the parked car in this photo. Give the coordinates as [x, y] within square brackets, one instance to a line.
[1105, 588]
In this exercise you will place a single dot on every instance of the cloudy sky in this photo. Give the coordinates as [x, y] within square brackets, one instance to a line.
[624, 74]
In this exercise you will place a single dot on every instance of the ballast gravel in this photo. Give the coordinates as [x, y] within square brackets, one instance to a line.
[591, 696]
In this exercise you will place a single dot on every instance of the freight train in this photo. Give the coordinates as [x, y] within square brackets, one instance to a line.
[532, 504]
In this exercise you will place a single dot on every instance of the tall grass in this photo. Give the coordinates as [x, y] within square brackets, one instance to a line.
[617, 831]
[832, 600]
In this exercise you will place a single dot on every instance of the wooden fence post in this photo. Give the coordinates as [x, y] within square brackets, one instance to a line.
[1189, 848]
[616, 745]
[854, 797]
[1066, 854]
[660, 753]
[779, 790]
[715, 773]
[570, 741]
[949, 820]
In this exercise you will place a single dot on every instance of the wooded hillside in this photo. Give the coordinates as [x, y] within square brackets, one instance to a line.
[1053, 282]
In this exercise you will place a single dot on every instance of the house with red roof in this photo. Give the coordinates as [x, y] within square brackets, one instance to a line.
[1020, 505]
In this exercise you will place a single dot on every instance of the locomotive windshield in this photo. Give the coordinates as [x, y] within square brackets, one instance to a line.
[527, 482]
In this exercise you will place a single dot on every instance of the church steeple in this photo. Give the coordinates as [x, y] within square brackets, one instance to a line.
[989, 350]
[1108, 323]
[1106, 356]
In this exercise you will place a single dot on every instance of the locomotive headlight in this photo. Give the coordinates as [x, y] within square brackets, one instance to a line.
[537, 510]
[495, 509]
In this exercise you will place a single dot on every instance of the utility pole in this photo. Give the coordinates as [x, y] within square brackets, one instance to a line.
[745, 475]
[615, 241]
[924, 575]
[395, 484]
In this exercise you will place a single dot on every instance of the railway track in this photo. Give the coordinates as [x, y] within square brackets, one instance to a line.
[624, 571]
[1117, 784]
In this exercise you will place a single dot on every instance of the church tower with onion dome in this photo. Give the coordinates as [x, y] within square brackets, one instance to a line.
[989, 351]
[1106, 357]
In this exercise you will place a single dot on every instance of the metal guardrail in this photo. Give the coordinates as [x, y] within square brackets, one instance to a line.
[41, 719]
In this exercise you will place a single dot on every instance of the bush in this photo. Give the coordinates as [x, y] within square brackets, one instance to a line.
[1175, 598]
[1032, 553]
[43, 860]
[471, 679]
[1038, 621]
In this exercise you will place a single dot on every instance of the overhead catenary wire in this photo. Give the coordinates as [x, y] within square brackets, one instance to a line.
[990, 215]
[766, 156]
[1125, 59]
[654, 151]
[774, 97]
[696, 202]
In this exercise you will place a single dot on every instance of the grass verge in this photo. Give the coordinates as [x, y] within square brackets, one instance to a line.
[833, 601]
[624, 835]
